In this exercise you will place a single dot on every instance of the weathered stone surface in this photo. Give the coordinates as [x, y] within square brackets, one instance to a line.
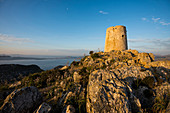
[43, 108]
[144, 58]
[116, 38]
[165, 64]
[69, 109]
[15, 84]
[77, 77]
[24, 100]
[105, 93]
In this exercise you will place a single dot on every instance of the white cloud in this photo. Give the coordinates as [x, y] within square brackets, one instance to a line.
[102, 12]
[160, 46]
[164, 23]
[155, 19]
[7, 38]
[144, 19]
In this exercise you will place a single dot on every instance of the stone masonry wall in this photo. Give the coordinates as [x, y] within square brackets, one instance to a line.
[116, 38]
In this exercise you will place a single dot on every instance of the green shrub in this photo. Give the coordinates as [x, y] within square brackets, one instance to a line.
[161, 103]
[70, 86]
[82, 105]
[83, 58]
[83, 71]
[95, 55]
[112, 61]
[91, 52]
[148, 81]
[104, 66]
[3, 87]
[75, 63]
[89, 68]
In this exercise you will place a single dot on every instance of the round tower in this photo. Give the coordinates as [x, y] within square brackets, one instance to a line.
[116, 38]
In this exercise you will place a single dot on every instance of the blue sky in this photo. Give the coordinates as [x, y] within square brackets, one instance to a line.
[74, 27]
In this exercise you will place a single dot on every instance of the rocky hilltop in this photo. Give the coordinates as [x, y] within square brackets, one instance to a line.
[116, 82]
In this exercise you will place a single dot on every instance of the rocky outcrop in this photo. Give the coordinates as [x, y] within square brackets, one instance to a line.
[107, 93]
[69, 109]
[12, 72]
[115, 81]
[77, 77]
[43, 108]
[24, 100]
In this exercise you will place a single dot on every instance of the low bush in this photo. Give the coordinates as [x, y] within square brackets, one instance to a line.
[75, 63]
[161, 103]
[95, 55]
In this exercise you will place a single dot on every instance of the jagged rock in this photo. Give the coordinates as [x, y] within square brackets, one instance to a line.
[77, 77]
[24, 100]
[165, 64]
[70, 94]
[131, 73]
[152, 56]
[134, 52]
[43, 108]
[106, 93]
[15, 84]
[168, 108]
[144, 58]
[163, 89]
[135, 102]
[64, 68]
[69, 109]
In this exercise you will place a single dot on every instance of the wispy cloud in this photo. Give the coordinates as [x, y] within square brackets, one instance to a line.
[155, 19]
[143, 19]
[164, 23]
[156, 42]
[7, 38]
[157, 46]
[103, 12]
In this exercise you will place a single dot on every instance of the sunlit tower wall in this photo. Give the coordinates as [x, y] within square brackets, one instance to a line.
[116, 38]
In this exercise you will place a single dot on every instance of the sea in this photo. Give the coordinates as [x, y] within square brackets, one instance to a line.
[45, 64]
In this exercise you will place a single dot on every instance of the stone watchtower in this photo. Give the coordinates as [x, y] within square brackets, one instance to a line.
[116, 38]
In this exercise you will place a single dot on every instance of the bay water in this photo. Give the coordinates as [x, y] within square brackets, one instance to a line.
[44, 64]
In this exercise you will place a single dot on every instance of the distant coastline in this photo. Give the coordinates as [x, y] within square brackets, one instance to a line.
[7, 57]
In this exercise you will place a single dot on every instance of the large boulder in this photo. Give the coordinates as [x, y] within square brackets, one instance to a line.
[106, 93]
[145, 58]
[77, 77]
[24, 100]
